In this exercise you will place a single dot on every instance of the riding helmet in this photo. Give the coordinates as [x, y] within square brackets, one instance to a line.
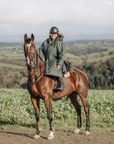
[54, 30]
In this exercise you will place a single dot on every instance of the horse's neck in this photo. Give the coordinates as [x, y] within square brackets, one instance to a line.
[38, 60]
[39, 64]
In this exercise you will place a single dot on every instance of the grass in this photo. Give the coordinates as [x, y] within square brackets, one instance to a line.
[16, 109]
[11, 56]
[69, 55]
[11, 66]
[107, 45]
[21, 55]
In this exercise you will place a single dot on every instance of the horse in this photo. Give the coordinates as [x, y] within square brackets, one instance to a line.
[41, 86]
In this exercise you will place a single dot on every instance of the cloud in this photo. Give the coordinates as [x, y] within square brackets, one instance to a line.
[71, 16]
[109, 2]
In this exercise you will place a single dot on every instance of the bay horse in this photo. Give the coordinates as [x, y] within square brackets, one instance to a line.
[40, 87]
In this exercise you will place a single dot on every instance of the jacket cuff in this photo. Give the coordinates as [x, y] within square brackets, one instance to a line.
[60, 61]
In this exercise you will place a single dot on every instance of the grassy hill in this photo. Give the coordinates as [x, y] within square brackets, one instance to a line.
[90, 47]
[11, 66]
[15, 50]
[95, 58]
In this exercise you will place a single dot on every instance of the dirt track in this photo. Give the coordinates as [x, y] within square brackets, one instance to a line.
[24, 136]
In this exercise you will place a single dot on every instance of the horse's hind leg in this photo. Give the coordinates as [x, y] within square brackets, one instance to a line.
[35, 103]
[86, 108]
[73, 98]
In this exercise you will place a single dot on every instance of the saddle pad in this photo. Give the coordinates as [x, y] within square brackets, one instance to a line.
[67, 74]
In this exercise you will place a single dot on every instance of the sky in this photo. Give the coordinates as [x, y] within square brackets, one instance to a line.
[76, 19]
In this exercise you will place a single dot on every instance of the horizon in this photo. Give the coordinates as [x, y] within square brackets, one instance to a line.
[11, 39]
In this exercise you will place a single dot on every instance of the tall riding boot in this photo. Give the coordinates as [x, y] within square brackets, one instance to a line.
[61, 84]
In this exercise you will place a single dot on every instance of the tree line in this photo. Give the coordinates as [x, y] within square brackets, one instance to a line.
[100, 74]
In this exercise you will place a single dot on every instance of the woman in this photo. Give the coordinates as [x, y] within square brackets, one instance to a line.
[52, 52]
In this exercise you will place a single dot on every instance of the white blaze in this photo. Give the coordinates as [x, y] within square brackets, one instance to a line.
[28, 60]
[29, 45]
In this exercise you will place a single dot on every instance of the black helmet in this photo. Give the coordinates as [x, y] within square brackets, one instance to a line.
[54, 30]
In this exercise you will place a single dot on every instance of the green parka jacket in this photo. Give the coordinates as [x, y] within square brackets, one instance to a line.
[53, 54]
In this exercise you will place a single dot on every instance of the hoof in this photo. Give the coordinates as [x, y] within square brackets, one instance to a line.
[77, 131]
[50, 137]
[87, 133]
[36, 136]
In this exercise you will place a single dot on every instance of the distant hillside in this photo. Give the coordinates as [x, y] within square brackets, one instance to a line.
[20, 44]
[5, 45]
[79, 41]
[77, 47]
[85, 51]
[90, 47]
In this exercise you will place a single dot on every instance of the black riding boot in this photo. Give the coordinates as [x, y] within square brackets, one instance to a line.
[60, 83]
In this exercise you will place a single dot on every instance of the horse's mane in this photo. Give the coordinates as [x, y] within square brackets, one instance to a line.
[38, 55]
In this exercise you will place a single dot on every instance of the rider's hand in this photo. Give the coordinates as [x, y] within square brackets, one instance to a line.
[43, 60]
[58, 66]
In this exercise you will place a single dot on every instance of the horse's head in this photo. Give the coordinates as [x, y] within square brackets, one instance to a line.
[29, 49]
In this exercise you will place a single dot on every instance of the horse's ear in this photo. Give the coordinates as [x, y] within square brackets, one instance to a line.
[25, 37]
[32, 37]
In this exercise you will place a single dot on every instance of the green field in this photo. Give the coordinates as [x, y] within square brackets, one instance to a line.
[69, 55]
[107, 44]
[16, 108]
[21, 55]
[12, 55]
[11, 66]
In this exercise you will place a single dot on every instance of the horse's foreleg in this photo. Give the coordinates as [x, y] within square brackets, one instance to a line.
[86, 108]
[35, 103]
[48, 104]
[73, 98]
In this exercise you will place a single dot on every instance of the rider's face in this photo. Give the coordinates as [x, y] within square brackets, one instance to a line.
[53, 36]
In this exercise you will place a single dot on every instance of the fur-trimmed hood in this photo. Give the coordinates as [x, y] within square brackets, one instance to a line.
[61, 36]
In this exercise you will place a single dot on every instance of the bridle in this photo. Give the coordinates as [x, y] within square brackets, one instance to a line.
[30, 51]
[34, 67]
[33, 53]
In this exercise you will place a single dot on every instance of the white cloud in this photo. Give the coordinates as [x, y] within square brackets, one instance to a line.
[109, 2]
[71, 16]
